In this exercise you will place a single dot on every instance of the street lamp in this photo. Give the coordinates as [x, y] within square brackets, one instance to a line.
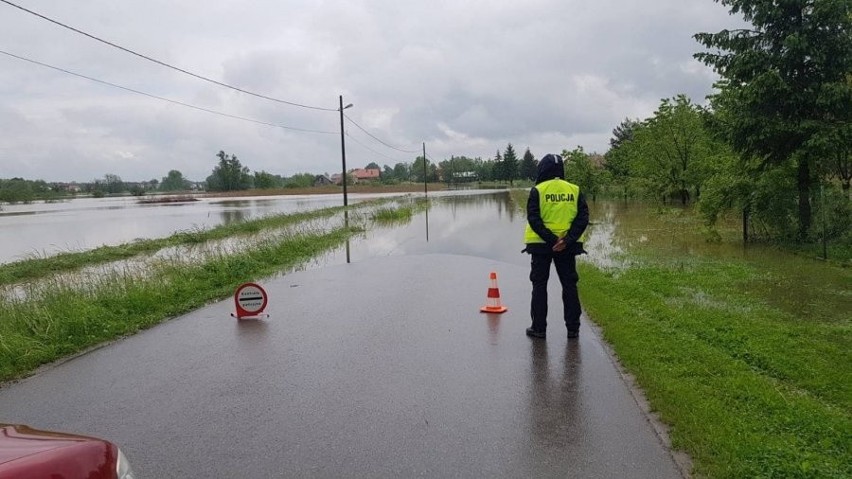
[343, 150]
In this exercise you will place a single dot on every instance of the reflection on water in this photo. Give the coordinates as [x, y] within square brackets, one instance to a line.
[554, 406]
[232, 216]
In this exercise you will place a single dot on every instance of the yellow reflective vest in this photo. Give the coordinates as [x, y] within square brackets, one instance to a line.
[557, 200]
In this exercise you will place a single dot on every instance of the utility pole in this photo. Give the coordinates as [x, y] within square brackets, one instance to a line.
[425, 190]
[343, 153]
[343, 160]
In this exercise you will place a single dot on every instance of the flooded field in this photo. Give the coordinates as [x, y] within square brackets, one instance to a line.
[474, 223]
[45, 229]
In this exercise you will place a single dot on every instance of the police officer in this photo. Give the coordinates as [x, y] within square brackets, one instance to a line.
[557, 216]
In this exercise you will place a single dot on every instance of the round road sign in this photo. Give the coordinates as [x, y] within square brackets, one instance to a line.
[250, 300]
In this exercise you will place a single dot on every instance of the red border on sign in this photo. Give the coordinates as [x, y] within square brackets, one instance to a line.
[241, 313]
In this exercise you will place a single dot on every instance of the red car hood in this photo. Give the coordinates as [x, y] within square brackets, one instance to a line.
[20, 441]
[35, 453]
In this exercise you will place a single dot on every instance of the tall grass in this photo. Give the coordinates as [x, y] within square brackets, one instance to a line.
[57, 320]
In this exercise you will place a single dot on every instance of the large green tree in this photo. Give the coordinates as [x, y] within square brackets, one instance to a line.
[671, 152]
[510, 164]
[174, 181]
[528, 167]
[229, 174]
[402, 171]
[417, 170]
[786, 85]
[617, 163]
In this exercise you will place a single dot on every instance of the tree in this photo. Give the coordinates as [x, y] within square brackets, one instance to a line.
[417, 170]
[786, 85]
[266, 181]
[372, 166]
[304, 180]
[16, 190]
[174, 181]
[617, 162]
[671, 150]
[229, 175]
[580, 170]
[510, 164]
[528, 167]
[402, 172]
[113, 184]
[498, 171]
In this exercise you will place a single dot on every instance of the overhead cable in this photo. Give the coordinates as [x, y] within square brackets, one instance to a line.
[372, 136]
[370, 149]
[154, 60]
[228, 115]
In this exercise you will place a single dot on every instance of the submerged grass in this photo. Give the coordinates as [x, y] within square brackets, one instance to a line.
[63, 321]
[402, 213]
[399, 214]
[31, 269]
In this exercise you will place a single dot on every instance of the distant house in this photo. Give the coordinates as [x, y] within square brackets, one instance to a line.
[465, 176]
[322, 180]
[337, 178]
[366, 174]
[66, 187]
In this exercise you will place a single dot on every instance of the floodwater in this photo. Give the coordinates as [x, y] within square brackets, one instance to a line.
[45, 229]
[472, 223]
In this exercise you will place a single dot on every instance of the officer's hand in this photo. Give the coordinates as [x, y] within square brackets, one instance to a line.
[559, 246]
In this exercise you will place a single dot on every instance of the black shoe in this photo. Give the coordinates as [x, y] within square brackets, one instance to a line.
[573, 334]
[536, 334]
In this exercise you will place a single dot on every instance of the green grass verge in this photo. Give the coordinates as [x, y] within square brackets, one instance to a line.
[64, 321]
[748, 389]
[747, 361]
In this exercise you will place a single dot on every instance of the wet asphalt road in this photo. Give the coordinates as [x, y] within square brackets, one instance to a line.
[379, 368]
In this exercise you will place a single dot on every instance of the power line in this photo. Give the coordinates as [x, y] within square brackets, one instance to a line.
[200, 77]
[372, 136]
[228, 115]
[370, 149]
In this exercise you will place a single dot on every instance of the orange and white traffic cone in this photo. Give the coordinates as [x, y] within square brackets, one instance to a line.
[492, 304]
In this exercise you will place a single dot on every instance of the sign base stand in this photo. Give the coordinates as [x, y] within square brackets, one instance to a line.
[254, 316]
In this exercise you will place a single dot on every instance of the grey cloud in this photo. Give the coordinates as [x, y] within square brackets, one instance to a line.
[466, 77]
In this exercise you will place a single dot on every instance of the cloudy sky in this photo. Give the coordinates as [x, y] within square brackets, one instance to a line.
[464, 76]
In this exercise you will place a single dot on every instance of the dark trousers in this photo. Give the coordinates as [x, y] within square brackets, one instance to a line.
[566, 269]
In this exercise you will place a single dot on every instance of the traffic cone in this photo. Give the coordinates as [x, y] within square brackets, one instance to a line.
[492, 304]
